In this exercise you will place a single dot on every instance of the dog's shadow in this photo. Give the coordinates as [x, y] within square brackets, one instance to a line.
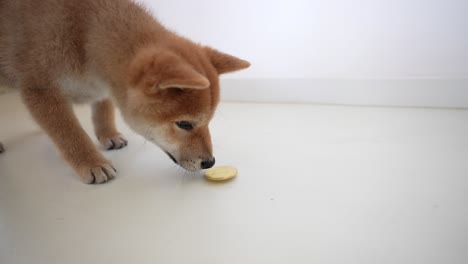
[29, 142]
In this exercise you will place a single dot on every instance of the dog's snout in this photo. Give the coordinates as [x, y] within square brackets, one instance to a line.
[206, 164]
[172, 157]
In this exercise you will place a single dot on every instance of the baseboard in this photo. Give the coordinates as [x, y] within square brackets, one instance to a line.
[446, 93]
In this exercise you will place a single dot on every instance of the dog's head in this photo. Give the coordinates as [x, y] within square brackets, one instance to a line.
[173, 94]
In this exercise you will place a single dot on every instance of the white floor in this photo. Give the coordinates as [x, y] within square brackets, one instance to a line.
[316, 184]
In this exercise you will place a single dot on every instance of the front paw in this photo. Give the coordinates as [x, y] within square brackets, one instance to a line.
[97, 172]
[113, 142]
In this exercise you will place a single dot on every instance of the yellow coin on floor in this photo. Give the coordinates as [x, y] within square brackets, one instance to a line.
[222, 173]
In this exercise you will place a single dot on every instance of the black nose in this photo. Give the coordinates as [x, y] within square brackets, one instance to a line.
[206, 164]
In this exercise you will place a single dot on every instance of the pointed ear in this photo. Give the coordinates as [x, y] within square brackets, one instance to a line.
[182, 76]
[225, 63]
[153, 70]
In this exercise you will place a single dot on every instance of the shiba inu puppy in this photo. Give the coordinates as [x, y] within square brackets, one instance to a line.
[106, 53]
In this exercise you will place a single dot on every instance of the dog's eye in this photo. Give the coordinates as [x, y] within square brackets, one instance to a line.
[185, 125]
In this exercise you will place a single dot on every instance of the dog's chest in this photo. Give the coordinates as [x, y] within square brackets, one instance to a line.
[85, 88]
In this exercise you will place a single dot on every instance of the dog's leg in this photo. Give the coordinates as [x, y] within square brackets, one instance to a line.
[2, 149]
[104, 126]
[55, 115]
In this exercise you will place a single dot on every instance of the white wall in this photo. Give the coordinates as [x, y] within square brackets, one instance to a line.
[331, 39]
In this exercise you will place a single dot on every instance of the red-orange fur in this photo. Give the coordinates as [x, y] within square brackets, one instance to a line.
[154, 76]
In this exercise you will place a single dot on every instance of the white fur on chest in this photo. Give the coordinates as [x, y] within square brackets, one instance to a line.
[87, 88]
